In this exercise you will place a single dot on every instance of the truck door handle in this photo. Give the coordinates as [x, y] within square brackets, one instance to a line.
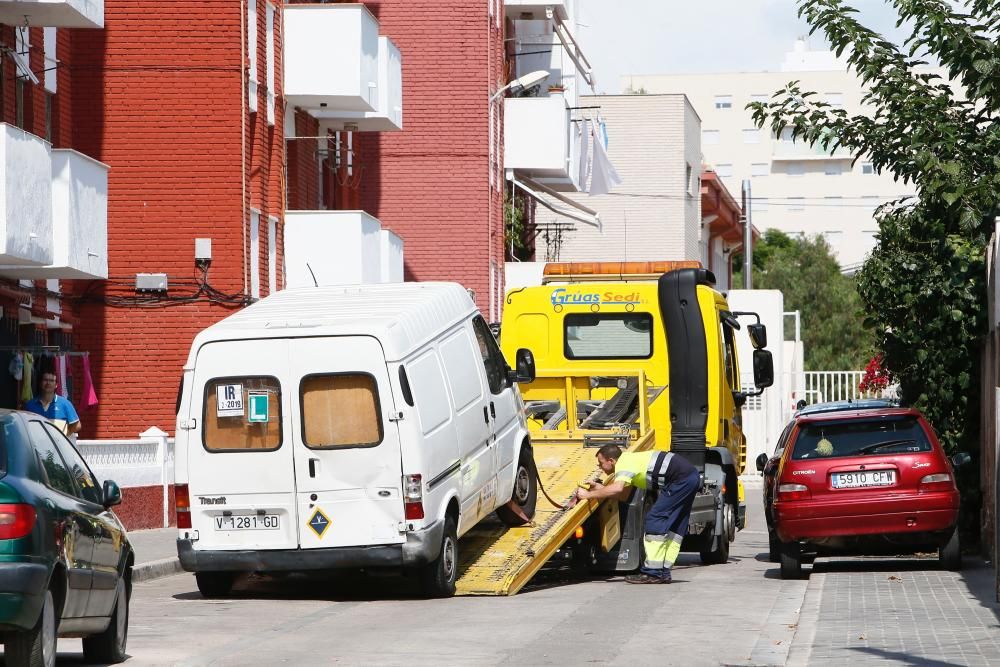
[486, 414]
[312, 467]
[493, 410]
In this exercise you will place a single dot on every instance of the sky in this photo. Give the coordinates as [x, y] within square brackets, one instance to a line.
[622, 37]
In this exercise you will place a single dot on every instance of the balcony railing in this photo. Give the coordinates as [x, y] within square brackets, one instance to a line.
[532, 9]
[540, 141]
[799, 150]
[53, 13]
[339, 248]
[25, 198]
[388, 114]
[331, 57]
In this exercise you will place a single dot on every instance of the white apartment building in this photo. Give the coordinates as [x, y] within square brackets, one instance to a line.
[798, 189]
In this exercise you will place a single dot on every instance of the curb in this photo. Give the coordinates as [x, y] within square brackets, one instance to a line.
[156, 569]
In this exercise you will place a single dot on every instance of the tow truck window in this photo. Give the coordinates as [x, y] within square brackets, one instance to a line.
[340, 411]
[729, 356]
[608, 336]
[247, 418]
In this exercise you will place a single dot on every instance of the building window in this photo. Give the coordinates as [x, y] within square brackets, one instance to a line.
[272, 255]
[724, 170]
[834, 99]
[786, 135]
[758, 97]
[723, 101]
[51, 60]
[760, 169]
[688, 175]
[269, 56]
[796, 204]
[833, 169]
[710, 137]
[867, 168]
[252, 54]
[751, 136]
[255, 254]
[795, 169]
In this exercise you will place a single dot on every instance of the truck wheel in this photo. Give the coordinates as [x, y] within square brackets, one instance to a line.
[35, 647]
[109, 646]
[950, 555]
[525, 494]
[214, 584]
[439, 576]
[718, 556]
[791, 560]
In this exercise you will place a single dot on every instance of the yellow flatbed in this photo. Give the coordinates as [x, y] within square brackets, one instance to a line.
[497, 560]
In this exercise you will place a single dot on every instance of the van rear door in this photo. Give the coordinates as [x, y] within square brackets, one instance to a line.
[240, 469]
[348, 466]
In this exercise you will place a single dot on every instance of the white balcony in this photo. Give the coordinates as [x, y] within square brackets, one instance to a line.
[53, 13]
[789, 151]
[25, 198]
[519, 9]
[540, 142]
[339, 248]
[331, 57]
[388, 115]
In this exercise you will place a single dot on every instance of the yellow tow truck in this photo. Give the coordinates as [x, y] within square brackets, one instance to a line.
[640, 354]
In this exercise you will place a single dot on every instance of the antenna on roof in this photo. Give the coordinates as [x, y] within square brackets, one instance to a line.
[315, 284]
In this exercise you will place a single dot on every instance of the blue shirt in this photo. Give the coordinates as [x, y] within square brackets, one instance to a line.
[59, 408]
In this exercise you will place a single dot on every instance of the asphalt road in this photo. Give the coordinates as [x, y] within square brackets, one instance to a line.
[737, 613]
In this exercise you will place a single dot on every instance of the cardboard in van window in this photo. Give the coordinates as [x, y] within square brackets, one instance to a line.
[340, 411]
[223, 433]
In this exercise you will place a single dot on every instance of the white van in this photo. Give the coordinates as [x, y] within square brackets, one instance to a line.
[348, 427]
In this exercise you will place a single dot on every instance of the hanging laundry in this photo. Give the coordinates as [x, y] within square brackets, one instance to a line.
[60, 367]
[16, 366]
[89, 394]
[27, 391]
[604, 176]
[584, 174]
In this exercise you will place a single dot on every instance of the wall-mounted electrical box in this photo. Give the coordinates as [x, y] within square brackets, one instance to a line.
[203, 250]
[150, 282]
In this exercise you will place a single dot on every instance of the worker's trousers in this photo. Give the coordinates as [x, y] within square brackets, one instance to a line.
[667, 524]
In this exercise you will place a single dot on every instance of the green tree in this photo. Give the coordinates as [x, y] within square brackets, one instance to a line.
[810, 279]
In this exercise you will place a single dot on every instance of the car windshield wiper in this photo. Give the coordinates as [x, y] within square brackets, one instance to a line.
[871, 449]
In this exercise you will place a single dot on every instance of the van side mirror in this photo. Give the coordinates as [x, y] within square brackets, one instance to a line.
[761, 462]
[763, 369]
[758, 335]
[112, 494]
[960, 459]
[525, 371]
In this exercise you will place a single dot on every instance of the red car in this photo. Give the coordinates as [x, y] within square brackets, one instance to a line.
[864, 482]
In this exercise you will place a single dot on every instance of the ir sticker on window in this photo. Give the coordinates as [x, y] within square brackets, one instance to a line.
[230, 400]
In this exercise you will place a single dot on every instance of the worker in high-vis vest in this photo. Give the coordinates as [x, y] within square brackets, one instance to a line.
[674, 481]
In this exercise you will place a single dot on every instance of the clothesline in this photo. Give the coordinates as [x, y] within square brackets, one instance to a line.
[41, 349]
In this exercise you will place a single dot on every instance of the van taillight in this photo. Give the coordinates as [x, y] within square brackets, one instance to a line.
[16, 521]
[793, 492]
[937, 482]
[182, 503]
[413, 496]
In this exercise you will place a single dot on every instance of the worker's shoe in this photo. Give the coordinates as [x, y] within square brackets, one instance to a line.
[642, 578]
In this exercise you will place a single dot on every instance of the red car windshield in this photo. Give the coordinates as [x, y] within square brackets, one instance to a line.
[886, 435]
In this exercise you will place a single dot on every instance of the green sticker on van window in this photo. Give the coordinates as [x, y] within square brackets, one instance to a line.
[258, 401]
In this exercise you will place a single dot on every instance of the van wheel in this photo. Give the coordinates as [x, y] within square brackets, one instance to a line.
[109, 646]
[439, 576]
[35, 647]
[525, 494]
[214, 584]
[791, 560]
[950, 555]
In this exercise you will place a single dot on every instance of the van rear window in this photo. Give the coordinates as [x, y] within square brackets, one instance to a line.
[242, 414]
[340, 410]
[860, 438]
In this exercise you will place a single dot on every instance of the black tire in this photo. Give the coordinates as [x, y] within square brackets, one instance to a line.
[35, 647]
[525, 493]
[773, 547]
[718, 556]
[791, 560]
[214, 584]
[109, 646]
[950, 555]
[438, 577]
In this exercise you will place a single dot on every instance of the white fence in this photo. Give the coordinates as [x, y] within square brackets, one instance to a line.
[825, 386]
[146, 461]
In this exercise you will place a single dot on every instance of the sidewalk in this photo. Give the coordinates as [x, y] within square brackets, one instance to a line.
[905, 612]
[155, 553]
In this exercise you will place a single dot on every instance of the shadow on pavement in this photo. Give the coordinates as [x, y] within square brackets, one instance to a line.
[981, 581]
[899, 658]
